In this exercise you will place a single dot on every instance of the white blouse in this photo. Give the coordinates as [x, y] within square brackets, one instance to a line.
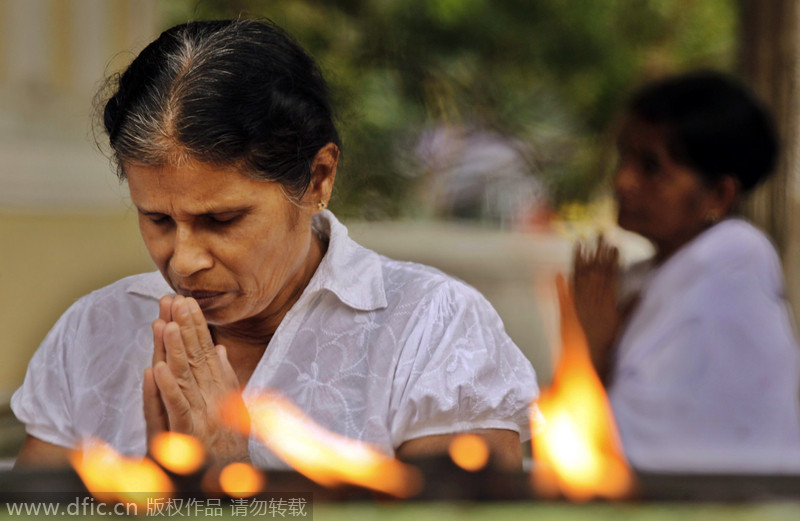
[707, 374]
[374, 349]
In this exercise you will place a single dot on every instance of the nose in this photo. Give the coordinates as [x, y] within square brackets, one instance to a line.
[626, 179]
[189, 255]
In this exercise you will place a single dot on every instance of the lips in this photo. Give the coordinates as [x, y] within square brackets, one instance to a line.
[205, 297]
[200, 293]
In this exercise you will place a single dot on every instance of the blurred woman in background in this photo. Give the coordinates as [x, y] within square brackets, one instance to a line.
[696, 345]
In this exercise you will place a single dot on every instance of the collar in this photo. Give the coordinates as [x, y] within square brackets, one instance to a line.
[348, 270]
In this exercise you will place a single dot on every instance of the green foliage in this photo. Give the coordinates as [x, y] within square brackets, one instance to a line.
[550, 73]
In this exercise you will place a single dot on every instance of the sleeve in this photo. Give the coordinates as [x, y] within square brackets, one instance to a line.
[43, 402]
[459, 370]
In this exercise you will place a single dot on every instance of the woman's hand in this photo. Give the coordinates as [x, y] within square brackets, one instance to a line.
[189, 379]
[595, 281]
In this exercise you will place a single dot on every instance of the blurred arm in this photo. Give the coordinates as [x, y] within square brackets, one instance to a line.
[504, 445]
[38, 453]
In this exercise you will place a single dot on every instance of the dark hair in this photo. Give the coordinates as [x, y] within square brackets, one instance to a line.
[223, 92]
[713, 123]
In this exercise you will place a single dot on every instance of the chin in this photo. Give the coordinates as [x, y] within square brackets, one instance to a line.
[217, 317]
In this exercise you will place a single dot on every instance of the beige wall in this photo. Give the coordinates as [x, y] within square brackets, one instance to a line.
[64, 224]
[46, 263]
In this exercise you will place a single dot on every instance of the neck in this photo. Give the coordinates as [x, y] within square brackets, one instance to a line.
[246, 340]
[665, 250]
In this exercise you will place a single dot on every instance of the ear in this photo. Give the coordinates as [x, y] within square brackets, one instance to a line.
[323, 174]
[725, 196]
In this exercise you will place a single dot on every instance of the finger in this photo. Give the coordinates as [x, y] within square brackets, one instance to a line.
[611, 256]
[578, 265]
[576, 259]
[599, 250]
[562, 290]
[230, 382]
[176, 405]
[615, 257]
[155, 417]
[571, 330]
[164, 316]
[176, 357]
[203, 333]
[197, 356]
[165, 308]
[228, 373]
[178, 365]
[582, 254]
[207, 346]
[159, 354]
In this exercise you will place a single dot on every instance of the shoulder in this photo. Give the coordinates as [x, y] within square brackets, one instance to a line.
[131, 300]
[130, 292]
[734, 239]
[724, 255]
[736, 250]
[414, 276]
[406, 296]
[148, 286]
[108, 328]
[427, 288]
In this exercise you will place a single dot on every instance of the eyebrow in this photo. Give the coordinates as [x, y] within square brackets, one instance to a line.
[210, 211]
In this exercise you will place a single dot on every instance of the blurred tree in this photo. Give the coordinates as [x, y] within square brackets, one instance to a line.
[548, 73]
[769, 62]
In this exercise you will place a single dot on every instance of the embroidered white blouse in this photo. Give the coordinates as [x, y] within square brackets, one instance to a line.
[375, 349]
[707, 370]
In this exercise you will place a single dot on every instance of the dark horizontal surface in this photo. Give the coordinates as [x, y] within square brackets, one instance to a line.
[717, 487]
[444, 482]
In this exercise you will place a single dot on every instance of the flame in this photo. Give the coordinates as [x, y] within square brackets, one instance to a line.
[112, 477]
[577, 451]
[241, 480]
[323, 456]
[179, 453]
[469, 451]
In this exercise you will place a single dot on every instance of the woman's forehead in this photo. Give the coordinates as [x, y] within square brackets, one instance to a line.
[195, 187]
[635, 133]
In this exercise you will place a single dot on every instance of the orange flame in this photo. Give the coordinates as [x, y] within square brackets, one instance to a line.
[576, 451]
[111, 477]
[179, 453]
[241, 480]
[323, 456]
[469, 451]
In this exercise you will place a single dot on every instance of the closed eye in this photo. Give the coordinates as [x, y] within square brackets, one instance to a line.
[158, 218]
[223, 219]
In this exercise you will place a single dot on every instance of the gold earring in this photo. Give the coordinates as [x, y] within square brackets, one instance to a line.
[322, 205]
